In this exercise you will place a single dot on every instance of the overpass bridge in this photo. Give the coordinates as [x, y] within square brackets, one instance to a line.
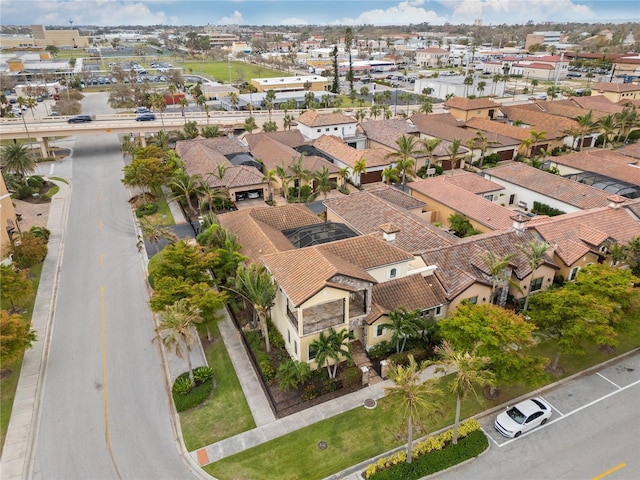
[44, 128]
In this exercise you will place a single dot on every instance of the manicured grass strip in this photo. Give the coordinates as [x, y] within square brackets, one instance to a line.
[226, 413]
[220, 70]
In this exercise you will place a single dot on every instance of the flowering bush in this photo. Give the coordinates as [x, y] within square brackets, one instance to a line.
[430, 444]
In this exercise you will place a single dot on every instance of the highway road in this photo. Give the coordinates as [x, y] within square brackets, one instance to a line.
[105, 411]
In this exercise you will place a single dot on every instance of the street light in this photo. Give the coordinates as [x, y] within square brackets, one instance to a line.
[229, 65]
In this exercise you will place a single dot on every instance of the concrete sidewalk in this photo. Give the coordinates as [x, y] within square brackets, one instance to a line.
[269, 430]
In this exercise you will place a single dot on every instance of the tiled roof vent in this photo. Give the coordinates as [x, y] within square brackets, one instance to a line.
[518, 222]
[615, 201]
[389, 231]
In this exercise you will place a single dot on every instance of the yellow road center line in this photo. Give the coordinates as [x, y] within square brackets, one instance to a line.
[101, 260]
[609, 472]
[100, 224]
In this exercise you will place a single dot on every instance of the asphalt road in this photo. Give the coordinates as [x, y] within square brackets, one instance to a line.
[105, 409]
[593, 434]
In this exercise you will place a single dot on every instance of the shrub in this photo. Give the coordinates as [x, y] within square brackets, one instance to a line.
[40, 232]
[146, 209]
[24, 191]
[182, 386]
[379, 350]
[275, 337]
[202, 374]
[198, 394]
[309, 393]
[268, 372]
[31, 251]
[350, 377]
[329, 385]
[432, 455]
[36, 181]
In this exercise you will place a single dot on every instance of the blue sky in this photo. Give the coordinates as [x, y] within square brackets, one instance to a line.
[311, 12]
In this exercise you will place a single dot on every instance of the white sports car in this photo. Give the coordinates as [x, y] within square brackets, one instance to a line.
[523, 417]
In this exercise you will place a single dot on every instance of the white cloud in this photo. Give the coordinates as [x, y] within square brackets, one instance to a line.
[293, 21]
[402, 14]
[518, 11]
[235, 19]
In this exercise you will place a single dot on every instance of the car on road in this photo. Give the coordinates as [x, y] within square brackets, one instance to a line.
[80, 119]
[573, 75]
[145, 117]
[142, 110]
[522, 417]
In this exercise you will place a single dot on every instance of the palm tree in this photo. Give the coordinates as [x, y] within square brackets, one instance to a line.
[16, 159]
[499, 271]
[412, 397]
[608, 125]
[285, 178]
[234, 100]
[158, 103]
[309, 99]
[287, 120]
[299, 173]
[574, 133]
[469, 369]
[183, 103]
[269, 101]
[468, 81]
[481, 86]
[535, 251]
[403, 324]
[454, 151]
[628, 120]
[184, 186]
[178, 320]
[389, 174]
[430, 144]
[23, 102]
[360, 168]
[483, 140]
[586, 125]
[344, 173]
[333, 346]
[271, 176]
[534, 84]
[407, 149]
[323, 183]
[155, 232]
[250, 124]
[255, 284]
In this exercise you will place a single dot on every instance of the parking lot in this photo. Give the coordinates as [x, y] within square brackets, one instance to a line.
[571, 396]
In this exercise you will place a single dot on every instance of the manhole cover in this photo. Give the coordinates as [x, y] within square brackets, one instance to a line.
[322, 445]
[370, 403]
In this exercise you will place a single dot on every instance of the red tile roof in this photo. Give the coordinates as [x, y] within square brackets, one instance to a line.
[462, 103]
[313, 118]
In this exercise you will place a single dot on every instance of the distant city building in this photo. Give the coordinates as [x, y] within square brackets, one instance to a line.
[547, 38]
[41, 37]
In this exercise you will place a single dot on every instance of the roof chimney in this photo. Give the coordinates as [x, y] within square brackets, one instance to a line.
[389, 231]
[518, 223]
[615, 201]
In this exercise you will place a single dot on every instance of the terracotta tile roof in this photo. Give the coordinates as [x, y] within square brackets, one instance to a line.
[396, 197]
[234, 177]
[470, 205]
[301, 273]
[578, 233]
[616, 87]
[553, 125]
[432, 50]
[472, 182]
[411, 292]
[365, 213]
[605, 162]
[386, 132]
[544, 58]
[273, 153]
[562, 108]
[366, 251]
[336, 148]
[313, 118]
[632, 150]
[259, 229]
[486, 125]
[462, 103]
[539, 66]
[376, 312]
[202, 160]
[554, 186]
[597, 103]
[290, 138]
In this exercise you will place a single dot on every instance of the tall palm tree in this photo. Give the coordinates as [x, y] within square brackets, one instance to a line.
[628, 121]
[184, 187]
[454, 151]
[255, 284]
[481, 86]
[283, 174]
[269, 101]
[535, 251]
[468, 81]
[287, 120]
[250, 124]
[389, 174]
[183, 103]
[469, 370]
[403, 324]
[608, 126]
[429, 145]
[299, 172]
[586, 125]
[360, 168]
[16, 159]
[483, 141]
[408, 147]
[234, 100]
[574, 133]
[177, 324]
[323, 183]
[344, 174]
[499, 270]
[22, 102]
[411, 397]
[159, 104]
[155, 232]
[271, 176]
[333, 346]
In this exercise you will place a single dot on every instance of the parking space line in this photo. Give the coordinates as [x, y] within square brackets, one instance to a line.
[605, 378]
[552, 407]
[491, 438]
[610, 471]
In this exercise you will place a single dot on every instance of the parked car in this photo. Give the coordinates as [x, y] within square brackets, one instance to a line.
[253, 195]
[80, 119]
[523, 417]
[573, 75]
[145, 117]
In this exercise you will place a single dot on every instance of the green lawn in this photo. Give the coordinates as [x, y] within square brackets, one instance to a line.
[361, 434]
[226, 413]
[8, 385]
[220, 70]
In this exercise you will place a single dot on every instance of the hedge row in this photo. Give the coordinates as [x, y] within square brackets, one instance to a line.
[431, 455]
